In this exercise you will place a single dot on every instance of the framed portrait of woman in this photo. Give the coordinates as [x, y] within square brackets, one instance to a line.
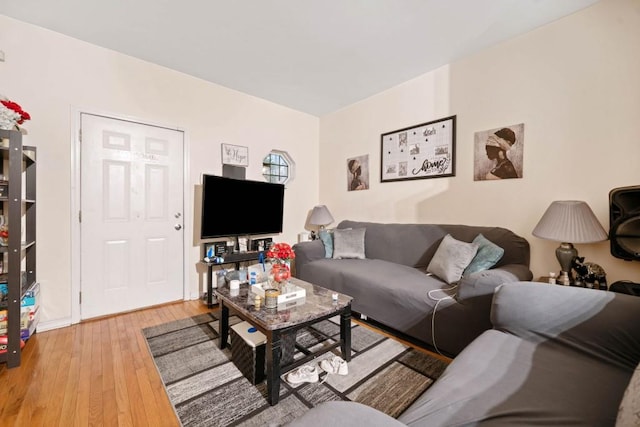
[358, 173]
[498, 153]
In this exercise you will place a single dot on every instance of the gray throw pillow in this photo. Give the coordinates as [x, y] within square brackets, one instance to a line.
[348, 243]
[451, 258]
[488, 255]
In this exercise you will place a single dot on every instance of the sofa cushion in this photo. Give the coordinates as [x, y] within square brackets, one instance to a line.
[487, 256]
[500, 379]
[348, 243]
[327, 240]
[451, 259]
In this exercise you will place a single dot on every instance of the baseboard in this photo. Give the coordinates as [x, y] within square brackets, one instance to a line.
[53, 324]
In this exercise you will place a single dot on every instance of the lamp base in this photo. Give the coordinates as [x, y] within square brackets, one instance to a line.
[565, 254]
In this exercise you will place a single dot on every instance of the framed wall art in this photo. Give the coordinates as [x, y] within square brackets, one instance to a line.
[358, 173]
[236, 155]
[498, 153]
[423, 151]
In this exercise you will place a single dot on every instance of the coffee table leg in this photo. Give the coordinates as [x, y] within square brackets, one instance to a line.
[224, 325]
[345, 333]
[274, 354]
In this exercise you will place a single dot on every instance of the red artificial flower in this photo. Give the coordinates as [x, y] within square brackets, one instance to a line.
[281, 251]
[18, 109]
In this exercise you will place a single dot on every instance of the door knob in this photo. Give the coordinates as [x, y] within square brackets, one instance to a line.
[178, 227]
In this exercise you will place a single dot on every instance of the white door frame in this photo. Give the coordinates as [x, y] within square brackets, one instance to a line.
[75, 204]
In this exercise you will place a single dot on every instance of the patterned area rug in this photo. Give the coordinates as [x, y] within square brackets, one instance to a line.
[206, 388]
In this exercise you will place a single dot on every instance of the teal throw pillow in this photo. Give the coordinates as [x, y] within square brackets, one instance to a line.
[488, 255]
[327, 239]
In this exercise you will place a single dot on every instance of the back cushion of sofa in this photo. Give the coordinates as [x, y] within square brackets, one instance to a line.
[415, 244]
[408, 244]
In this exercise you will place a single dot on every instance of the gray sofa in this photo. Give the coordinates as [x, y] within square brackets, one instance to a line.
[557, 355]
[391, 287]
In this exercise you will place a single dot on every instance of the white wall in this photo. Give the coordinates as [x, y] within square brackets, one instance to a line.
[52, 75]
[573, 83]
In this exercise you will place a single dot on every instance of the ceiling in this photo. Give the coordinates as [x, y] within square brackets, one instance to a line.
[315, 56]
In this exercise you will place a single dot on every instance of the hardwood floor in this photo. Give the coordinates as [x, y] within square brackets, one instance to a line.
[96, 373]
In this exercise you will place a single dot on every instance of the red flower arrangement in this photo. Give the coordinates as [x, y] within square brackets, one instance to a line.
[279, 254]
[11, 114]
[18, 109]
[281, 251]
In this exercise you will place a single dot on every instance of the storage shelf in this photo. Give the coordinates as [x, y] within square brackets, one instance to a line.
[18, 167]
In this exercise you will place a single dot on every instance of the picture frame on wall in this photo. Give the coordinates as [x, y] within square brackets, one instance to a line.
[235, 155]
[358, 173]
[498, 153]
[422, 151]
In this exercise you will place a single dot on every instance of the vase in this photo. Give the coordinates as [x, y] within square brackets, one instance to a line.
[279, 275]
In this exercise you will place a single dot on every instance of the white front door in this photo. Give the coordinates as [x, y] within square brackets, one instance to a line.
[131, 200]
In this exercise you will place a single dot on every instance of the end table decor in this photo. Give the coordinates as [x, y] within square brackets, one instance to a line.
[280, 256]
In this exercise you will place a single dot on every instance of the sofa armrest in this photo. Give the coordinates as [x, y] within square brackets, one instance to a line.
[603, 324]
[484, 283]
[307, 252]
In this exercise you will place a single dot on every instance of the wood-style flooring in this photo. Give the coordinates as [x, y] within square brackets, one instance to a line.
[95, 373]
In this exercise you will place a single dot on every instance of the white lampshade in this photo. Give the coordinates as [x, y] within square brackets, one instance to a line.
[320, 216]
[570, 221]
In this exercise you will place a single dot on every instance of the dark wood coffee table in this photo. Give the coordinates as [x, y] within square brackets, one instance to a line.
[317, 305]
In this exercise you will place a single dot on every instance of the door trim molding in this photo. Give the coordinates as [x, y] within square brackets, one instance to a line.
[76, 114]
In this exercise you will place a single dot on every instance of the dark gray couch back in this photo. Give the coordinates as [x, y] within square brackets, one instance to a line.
[414, 244]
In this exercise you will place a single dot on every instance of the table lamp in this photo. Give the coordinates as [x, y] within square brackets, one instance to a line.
[321, 217]
[568, 222]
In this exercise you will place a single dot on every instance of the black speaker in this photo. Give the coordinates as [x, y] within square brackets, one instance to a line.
[624, 222]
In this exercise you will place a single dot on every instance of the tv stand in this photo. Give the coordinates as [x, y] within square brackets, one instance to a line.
[227, 258]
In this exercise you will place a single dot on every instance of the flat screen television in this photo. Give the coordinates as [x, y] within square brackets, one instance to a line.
[237, 207]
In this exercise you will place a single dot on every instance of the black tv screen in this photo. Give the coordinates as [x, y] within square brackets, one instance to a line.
[236, 207]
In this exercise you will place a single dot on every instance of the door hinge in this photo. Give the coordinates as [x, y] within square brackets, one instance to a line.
[79, 216]
[80, 135]
[80, 297]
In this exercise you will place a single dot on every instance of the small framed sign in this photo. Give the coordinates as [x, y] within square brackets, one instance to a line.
[423, 151]
[236, 155]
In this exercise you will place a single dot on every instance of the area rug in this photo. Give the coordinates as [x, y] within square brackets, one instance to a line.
[206, 388]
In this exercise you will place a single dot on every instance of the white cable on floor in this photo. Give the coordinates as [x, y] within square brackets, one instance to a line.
[435, 308]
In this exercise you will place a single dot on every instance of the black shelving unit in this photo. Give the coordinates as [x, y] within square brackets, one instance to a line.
[19, 208]
[230, 258]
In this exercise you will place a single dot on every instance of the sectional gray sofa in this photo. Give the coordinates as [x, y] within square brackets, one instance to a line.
[557, 355]
[390, 284]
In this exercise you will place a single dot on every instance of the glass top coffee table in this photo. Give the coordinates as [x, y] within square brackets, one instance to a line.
[317, 305]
